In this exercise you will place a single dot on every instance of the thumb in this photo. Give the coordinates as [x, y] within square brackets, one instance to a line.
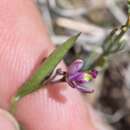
[7, 122]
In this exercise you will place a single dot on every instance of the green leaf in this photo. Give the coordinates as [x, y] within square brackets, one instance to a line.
[128, 21]
[112, 42]
[34, 83]
[89, 61]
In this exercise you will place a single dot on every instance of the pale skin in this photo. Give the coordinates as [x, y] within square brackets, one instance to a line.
[23, 44]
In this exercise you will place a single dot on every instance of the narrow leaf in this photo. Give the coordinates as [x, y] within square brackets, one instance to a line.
[128, 21]
[90, 60]
[46, 68]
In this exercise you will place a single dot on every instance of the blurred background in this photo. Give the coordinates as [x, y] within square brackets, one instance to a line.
[95, 19]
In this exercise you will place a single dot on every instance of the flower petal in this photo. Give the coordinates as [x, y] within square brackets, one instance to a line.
[85, 89]
[75, 66]
[94, 73]
[72, 84]
[76, 76]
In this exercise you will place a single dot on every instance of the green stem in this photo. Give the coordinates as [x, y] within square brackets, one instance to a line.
[14, 101]
[128, 20]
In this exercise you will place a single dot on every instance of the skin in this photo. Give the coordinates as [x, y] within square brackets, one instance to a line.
[23, 44]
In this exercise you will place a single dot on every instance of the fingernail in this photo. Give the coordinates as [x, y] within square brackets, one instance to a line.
[7, 121]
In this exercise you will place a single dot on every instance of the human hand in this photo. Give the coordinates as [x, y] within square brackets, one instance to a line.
[23, 45]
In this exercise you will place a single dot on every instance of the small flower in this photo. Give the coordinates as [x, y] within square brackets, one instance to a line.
[78, 79]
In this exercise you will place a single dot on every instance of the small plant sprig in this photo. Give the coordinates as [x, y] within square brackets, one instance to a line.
[40, 77]
[80, 72]
[113, 43]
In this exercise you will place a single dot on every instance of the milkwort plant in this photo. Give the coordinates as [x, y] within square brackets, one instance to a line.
[75, 77]
[80, 72]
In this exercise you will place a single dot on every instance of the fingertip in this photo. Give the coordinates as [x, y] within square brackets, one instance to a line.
[7, 122]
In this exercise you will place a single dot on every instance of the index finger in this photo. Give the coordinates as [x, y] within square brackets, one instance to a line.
[24, 43]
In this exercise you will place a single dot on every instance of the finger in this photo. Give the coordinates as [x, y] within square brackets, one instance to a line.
[24, 43]
[7, 122]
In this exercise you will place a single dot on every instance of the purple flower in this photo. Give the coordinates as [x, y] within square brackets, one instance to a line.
[79, 79]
